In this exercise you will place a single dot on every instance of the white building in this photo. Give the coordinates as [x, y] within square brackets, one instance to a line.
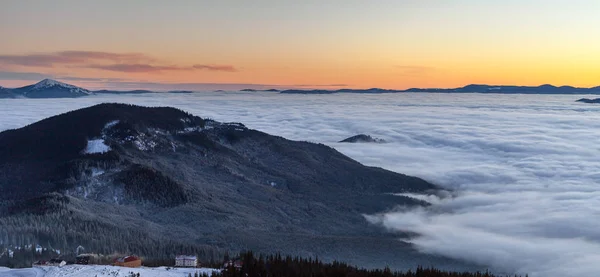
[186, 261]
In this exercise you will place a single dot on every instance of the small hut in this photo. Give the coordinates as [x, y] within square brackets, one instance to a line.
[128, 261]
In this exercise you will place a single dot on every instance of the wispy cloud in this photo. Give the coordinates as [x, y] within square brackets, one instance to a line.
[213, 67]
[36, 76]
[8, 75]
[84, 79]
[128, 84]
[107, 56]
[37, 60]
[70, 57]
[120, 62]
[137, 67]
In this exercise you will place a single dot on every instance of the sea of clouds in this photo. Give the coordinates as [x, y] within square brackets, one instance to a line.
[523, 170]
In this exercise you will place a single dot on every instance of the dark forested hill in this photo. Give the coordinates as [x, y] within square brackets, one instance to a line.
[153, 181]
[589, 101]
[277, 265]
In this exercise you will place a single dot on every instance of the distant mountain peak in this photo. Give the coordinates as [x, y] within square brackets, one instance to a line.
[49, 88]
[47, 83]
[363, 138]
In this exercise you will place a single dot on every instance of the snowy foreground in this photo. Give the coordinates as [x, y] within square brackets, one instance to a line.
[101, 270]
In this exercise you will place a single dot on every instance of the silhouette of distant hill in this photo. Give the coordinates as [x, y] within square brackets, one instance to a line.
[589, 101]
[473, 88]
[137, 91]
[255, 90]
[54, 89]
[363, 138]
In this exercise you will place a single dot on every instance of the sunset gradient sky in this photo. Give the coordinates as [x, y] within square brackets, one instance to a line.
[351, 43]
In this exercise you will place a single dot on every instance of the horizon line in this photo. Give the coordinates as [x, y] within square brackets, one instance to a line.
[303, 87]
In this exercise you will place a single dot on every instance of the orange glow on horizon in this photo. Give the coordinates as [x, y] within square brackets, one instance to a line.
[399, 45]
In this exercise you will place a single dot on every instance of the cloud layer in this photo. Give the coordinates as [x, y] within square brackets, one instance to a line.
[120, 62]
[523, 169]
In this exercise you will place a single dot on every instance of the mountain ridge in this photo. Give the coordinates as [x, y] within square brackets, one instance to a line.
[589, 101]
[49, 88]
[472, 88]
[162, 174]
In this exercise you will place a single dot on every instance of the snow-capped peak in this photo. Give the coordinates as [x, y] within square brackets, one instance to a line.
[49, 83]
[46, 83]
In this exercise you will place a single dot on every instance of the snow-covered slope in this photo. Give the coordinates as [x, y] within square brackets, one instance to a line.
[49, 88]
[48, 84]
[101, 270]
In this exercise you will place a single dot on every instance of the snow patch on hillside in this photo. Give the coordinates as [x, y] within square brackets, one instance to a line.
[46, 83]
[97, 171]
[110, 124]
[96, 146]
[188, 130]
[144, 145]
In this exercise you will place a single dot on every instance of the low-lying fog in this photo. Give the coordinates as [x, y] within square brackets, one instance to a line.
[524, 168]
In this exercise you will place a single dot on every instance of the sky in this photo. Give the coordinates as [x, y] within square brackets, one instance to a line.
[390, 44]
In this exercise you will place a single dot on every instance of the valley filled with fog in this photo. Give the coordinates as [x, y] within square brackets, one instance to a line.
[521, 170]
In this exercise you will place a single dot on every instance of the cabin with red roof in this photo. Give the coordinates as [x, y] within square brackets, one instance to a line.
[128, 261]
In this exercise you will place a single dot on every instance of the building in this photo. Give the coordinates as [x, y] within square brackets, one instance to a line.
[51, 262]
[40, 263]
[56, 262]
[128, 261]
[82, 260]
[233, 263]
[186, 261]
[87, 258]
